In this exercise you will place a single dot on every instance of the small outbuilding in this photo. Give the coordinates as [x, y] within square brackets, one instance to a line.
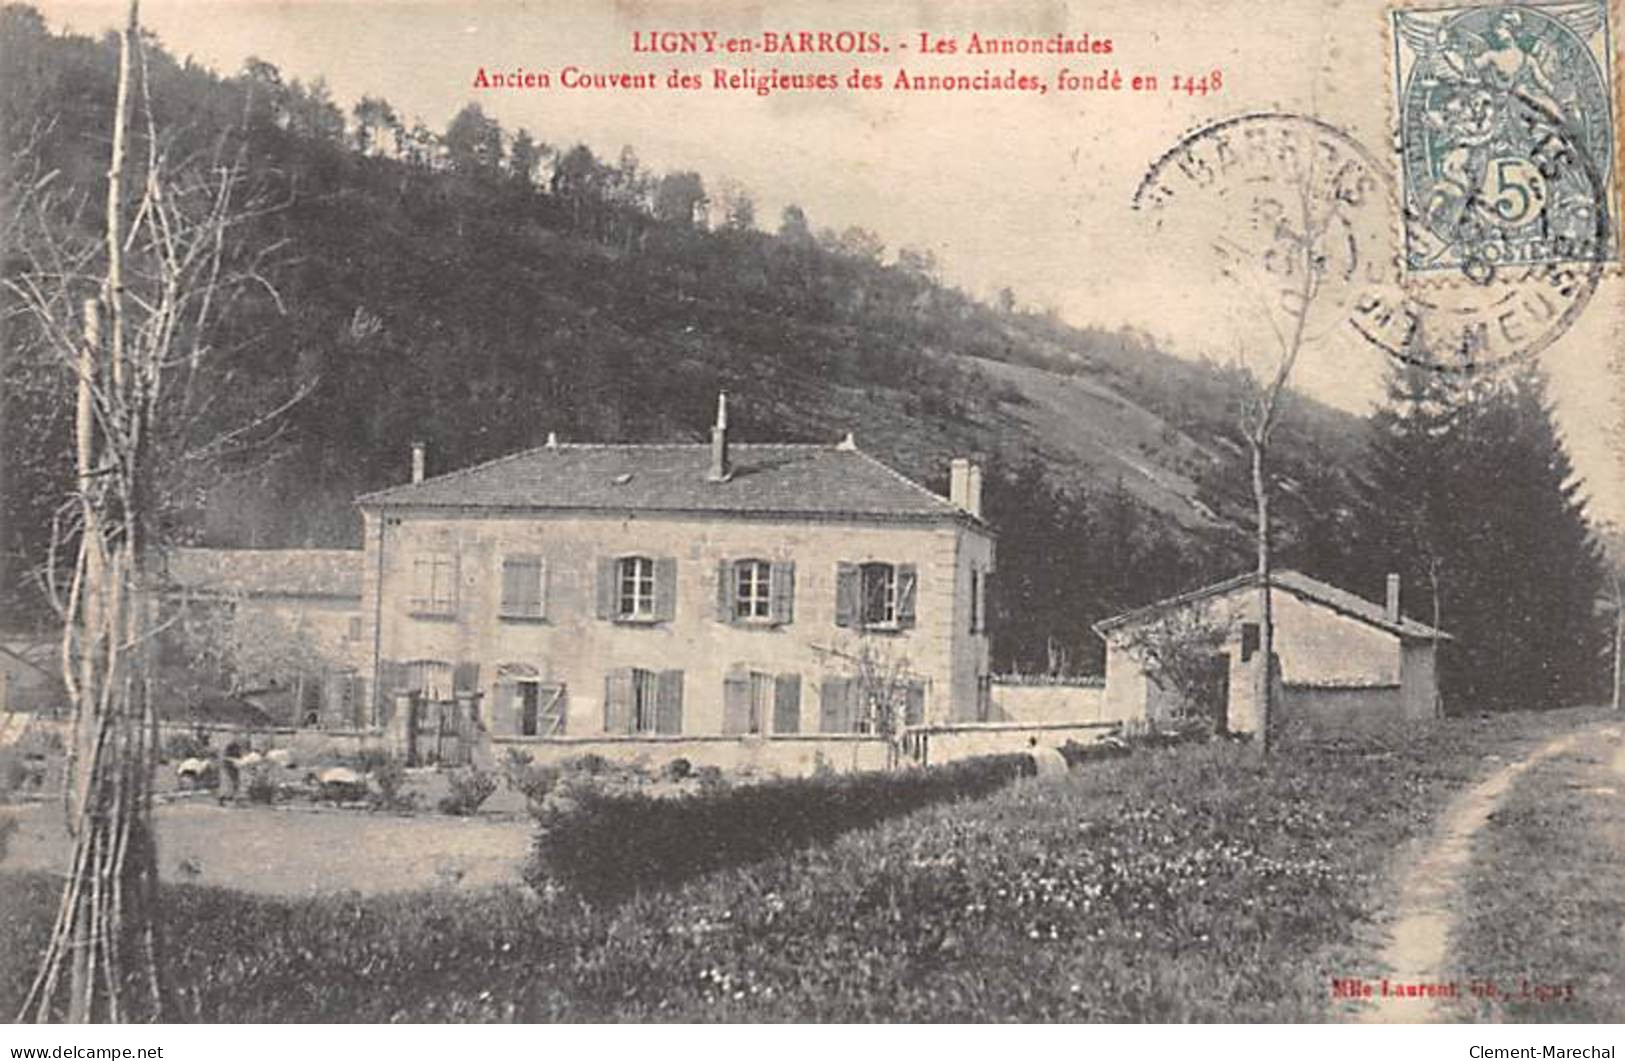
[1344, 662]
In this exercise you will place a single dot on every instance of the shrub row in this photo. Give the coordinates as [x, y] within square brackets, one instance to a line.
[603, 846]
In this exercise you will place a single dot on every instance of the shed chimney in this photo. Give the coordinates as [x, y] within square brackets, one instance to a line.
[1391, 610]
[418, 450]
[965, 485]
[721, 467]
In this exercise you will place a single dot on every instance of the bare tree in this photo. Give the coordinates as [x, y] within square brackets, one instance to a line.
[1179, 651]
[883, 685]
[127, 310]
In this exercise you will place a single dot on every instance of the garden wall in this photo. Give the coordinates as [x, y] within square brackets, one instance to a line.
[1330, 710]
[934, 745]
[1022, 699]
[786, 756]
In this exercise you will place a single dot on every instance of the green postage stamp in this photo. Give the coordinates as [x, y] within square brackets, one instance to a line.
[1506, 135]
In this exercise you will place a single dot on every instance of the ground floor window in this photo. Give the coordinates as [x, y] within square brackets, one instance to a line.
[759, 702]
[638, 700]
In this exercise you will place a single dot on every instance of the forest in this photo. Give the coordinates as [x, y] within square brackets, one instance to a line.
[479, 287]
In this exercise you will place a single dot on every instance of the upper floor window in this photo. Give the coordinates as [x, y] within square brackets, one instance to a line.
[637, 592]
[753, 597]
[637, 588]
[875, 595]
[434, 584]
[524, 586]
[756, 591]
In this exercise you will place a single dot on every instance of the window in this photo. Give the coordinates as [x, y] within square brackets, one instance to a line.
[753, 596]
[435, 585]
[756, 592]
[524, 580]
[978, 601]
[758, 702]
[643, 701]
[429, 678]
[875, 595]
[353, 630]
[1250, 639]
[851, 705]
[637, 588]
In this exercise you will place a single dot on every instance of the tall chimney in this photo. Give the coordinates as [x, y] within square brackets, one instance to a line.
[975, 492]
[721, 468]
[418, 449]
[959, 482]
[1391, 611]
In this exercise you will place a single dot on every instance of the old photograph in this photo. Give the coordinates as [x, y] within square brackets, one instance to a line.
[823, 513]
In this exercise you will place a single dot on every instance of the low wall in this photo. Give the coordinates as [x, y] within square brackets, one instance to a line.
[1015, 699]
[932, 745]
[787, 756]
[1331, 710]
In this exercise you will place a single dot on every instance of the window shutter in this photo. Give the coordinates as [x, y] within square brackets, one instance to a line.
[725, 591]
[736, 702]
[466, 678]
[914, 704]
[669, 703]
[512, 573]
[787, 703]
[848, 590]
[551, 709]
[505, 711]
[391, 680]
[907, 581]
[665, 589]
[608, 591]
[618, 700]
[539, 588]
[835, 706]
[783, 574]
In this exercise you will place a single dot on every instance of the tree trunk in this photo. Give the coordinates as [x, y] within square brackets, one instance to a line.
[1266, 620]
[1619, 637]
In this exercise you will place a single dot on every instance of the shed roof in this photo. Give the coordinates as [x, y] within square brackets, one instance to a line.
[1299, 585]
[796, 480]
[334, 573]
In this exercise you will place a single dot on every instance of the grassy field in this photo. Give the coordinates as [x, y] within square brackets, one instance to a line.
[1545, 897]
[1192, 883]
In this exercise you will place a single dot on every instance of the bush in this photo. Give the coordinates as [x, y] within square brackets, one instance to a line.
[187, 746]
[592, 764]
[529, 780]
[1077, 754]
[390, 777]
[677, 769]
[8, 825]
[469, 789]
[262, 787]
[604, 846]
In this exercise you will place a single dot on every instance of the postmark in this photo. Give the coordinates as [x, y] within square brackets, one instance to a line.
[1242, 179]
[1487, 98]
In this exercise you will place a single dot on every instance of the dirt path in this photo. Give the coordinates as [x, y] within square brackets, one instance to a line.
[1417, 950]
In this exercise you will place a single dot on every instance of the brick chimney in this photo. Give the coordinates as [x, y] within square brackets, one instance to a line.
[721, 467]
[418, 451]
[965, 485]
[1391, 609]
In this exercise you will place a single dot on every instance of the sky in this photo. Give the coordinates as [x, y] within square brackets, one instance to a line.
[1011, 189]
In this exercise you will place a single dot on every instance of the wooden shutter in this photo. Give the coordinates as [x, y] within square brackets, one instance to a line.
[725, 591]
[391, 680]
[550, 713]
[465, 678]
[907, 586]
[618, 700]
[787, 703]
[835, 705]
[783, 574]
[608, 592]
[665, 589]
[848, 594]
[504, 712]
[669, 703]
[736, 702]
[512, 575]
[914, 704]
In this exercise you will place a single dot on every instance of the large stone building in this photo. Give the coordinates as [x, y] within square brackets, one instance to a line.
[660, 591]
[1345, 662]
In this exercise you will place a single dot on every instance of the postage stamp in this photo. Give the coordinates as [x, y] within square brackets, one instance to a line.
[1505, 132]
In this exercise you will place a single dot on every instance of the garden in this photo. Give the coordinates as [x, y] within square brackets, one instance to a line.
[1193, 882]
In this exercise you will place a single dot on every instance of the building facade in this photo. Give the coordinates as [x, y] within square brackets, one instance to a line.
[667, 591]
[1344, 662]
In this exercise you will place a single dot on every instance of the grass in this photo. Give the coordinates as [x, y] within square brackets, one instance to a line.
[1544, 903]
[1191, 883]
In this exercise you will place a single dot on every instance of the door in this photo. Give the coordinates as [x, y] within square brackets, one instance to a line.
[1217, 692]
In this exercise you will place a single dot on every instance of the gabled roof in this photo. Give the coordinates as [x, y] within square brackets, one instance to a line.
[780, 480]
[334, 573]
[1299, 585]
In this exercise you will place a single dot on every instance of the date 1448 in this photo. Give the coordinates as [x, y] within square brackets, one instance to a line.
[1212, 81]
